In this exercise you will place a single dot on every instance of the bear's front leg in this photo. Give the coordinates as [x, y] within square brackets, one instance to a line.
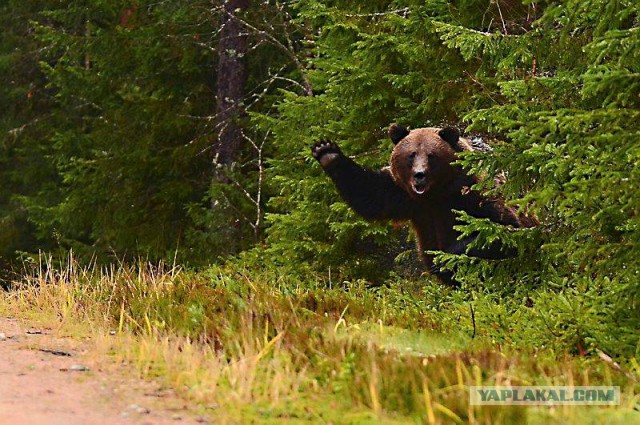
[372, 194]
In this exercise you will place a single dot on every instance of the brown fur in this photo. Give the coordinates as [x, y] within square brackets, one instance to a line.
[424, 142]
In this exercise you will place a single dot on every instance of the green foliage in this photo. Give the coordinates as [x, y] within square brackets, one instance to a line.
[572, 157]
[108, 129]
[126, 150]
[24, 101]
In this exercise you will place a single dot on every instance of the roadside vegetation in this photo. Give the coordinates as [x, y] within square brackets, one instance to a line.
[251, 343]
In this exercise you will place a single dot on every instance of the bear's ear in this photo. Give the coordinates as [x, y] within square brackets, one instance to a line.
[397, 133]
[451, 135]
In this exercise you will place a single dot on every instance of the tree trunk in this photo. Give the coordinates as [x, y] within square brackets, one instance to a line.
[232, 77]
[231, 81]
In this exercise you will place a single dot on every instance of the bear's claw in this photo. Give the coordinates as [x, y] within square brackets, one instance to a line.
[325, 152]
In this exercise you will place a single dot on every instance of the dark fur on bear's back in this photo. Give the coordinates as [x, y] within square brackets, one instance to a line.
[421, 185]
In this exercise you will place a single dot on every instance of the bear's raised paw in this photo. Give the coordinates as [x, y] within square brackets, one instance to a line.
[325, 152]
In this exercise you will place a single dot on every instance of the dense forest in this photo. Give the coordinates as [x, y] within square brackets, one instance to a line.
[179, 131]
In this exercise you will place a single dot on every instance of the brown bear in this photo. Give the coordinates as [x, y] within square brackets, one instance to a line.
[421, 185]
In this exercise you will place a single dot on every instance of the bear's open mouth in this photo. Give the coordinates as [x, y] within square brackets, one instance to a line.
[420, 187]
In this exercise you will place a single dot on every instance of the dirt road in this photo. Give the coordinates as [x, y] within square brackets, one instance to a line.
[46, 380]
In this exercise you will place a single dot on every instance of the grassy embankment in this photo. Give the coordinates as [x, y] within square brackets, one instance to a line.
[246, 344]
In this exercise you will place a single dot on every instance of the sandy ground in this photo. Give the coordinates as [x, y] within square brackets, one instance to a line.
[40, 384]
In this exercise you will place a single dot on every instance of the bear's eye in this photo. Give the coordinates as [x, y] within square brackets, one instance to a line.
[412, 155]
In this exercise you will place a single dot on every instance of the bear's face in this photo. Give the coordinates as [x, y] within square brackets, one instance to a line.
[421, 159]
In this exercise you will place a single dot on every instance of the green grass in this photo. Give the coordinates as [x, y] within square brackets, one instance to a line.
[252, 344]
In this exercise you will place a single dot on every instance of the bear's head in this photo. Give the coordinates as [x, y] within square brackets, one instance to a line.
[421, 161]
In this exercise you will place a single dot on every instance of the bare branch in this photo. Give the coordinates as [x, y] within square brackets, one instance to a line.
[289, 51]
